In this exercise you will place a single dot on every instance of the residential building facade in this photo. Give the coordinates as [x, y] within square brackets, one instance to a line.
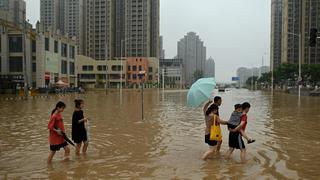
[172, 73]
[41, 57]
[193, 53]
[210, 66]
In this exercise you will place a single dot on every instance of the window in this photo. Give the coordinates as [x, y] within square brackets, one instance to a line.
[134, 76]
[87, 68]
[102, 68]
[15, 64]
[129, 76]
[46, 44]
[134, 68]
[34, 47]
[34, 67]
[140, 68]
[129, 68]
[87, 76]
[116, 68]
[64, 67]
[56, 46]
[64, 50]
[15, 44]
[71, 68]
[150, 70]
[72, 52]
[150, 77]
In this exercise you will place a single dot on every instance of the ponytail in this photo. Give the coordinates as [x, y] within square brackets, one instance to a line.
[54, 110]
[60, 104]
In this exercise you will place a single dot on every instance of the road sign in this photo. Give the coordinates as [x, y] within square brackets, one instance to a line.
[235, 78]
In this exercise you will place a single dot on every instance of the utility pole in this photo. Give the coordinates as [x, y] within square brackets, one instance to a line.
[25, 74]
[300, 43]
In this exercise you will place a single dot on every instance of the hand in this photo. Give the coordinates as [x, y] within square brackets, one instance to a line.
[58, 131]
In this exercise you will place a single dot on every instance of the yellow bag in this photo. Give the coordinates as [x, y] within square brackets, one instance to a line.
[215, 131]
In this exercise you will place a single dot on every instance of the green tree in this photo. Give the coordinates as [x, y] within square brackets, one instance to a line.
[250, 80]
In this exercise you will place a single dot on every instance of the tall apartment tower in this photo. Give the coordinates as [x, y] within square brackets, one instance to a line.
[290, 31]
[287, 13]
[142, 28]
[99, 29]
[49, 14]
[210, 68]
[74, 21]
[276, 32]
[193, 53]
[18, 7]
[111, 28]
[311, 19]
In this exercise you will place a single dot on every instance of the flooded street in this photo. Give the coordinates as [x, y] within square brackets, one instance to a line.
[168, 143]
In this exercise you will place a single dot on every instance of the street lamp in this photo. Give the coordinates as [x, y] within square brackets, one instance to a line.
[141, 75]
[121, 68]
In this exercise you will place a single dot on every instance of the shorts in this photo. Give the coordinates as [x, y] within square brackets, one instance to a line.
[57, 147]
[208, 141]
[80, 140]
[235, 140]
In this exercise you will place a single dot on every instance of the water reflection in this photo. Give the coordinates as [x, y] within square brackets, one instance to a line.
[168, 143]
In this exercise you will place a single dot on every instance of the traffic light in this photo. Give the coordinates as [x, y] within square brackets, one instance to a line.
[313, 37]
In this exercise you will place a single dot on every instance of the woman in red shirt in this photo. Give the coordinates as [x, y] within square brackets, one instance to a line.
[56, 128]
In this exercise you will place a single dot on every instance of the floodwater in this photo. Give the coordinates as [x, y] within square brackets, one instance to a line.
[167, 144]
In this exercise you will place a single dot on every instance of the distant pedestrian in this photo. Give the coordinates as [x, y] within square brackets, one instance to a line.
[56, 128]
[79, 133]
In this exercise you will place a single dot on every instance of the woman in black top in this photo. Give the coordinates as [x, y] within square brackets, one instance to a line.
[79, 133]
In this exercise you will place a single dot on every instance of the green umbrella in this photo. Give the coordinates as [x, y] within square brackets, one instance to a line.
[200, 91]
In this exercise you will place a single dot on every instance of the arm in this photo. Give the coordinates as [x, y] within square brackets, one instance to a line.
[51, 123]
[83, 120]
[51, 126]
[238, 127]
[222, 121]
[206, 106]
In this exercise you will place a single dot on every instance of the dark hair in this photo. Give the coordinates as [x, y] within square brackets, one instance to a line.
[211, 108]
[237, 106]
[60, 104]
[245, 105]
[216, 99]
[77, 103]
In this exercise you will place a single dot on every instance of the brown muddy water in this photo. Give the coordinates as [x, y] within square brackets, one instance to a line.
[167, 144]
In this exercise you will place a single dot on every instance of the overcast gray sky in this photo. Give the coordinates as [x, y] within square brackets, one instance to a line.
[235, 32]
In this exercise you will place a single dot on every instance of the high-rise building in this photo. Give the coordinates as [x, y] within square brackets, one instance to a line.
[193, 53]
[99, 29]
[161, 50]
[112, 28]
[142, 28]
[276, 31]
[311, 19]
[13, 11]
[49, 14]
[65, 17]
[73, 21]
[286, 20]
[210, 66]
[290, 31]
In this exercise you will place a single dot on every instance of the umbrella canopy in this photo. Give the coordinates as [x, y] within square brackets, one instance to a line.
[60, 83]
[200, 91]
